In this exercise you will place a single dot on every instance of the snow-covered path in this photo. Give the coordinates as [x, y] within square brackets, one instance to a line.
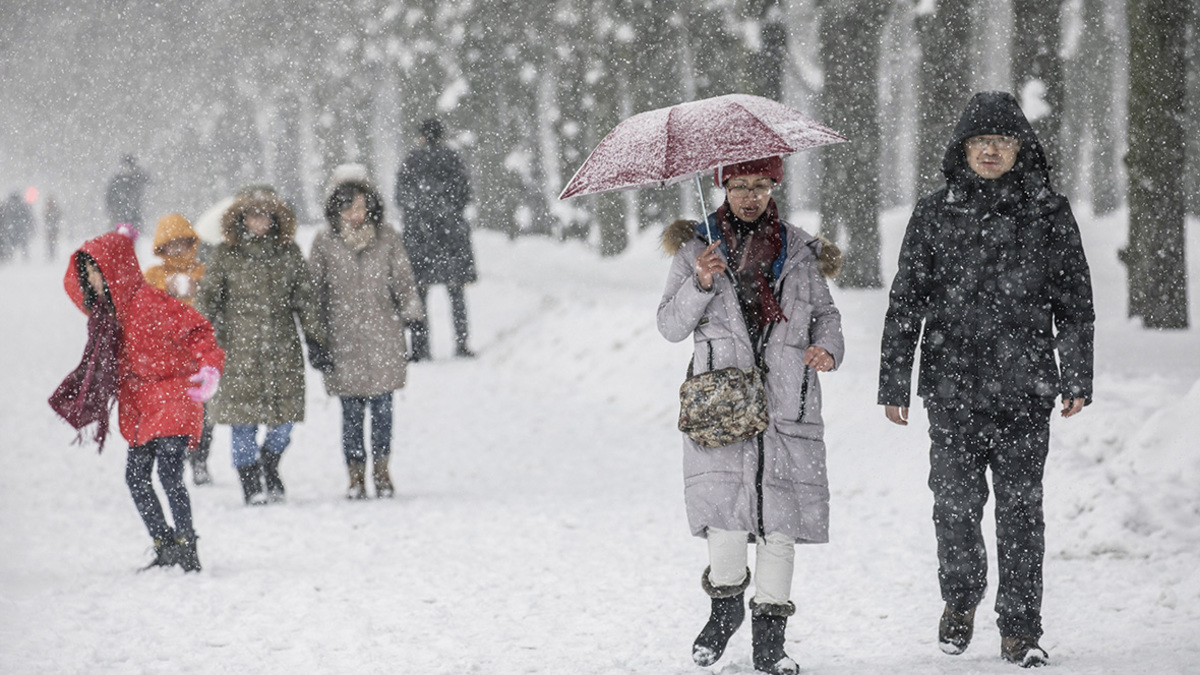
[539, 523]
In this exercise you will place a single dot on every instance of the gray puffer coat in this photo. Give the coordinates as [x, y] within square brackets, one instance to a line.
[774, 482]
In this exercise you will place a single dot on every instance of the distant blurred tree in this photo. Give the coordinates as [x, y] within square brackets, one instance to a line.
[1037, 69]
[850, 49]
[1155, 255]
[944, 32]
[1088, 159]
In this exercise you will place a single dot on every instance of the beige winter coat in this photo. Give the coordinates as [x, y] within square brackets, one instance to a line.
[365, 298]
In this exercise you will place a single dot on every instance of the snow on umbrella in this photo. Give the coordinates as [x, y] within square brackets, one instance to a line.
[670, 145]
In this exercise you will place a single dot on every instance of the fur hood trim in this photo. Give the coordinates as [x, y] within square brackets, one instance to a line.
[677, 234]
[233, 221]
[829, 259]
[680, 232]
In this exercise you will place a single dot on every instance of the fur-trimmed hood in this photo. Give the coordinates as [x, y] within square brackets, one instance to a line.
[680, 232]
[233, 221]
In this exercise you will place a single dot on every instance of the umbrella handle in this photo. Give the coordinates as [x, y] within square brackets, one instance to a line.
[703, 208]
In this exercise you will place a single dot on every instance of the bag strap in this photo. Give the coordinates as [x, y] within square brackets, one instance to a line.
[691, 371]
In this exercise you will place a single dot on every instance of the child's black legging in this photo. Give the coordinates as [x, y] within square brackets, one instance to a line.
[170, 452]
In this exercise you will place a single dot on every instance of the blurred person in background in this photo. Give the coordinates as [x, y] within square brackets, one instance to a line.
[179, 274]
[256, 286]
[365, 289]
[52, 225]
[432, 190]
[124, 196]
[17, 224]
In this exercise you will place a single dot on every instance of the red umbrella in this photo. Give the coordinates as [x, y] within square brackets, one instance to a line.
[670, 145]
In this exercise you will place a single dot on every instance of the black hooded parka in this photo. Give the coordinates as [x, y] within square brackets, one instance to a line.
[996, 273]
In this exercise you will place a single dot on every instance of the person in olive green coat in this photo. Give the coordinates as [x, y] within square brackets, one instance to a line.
[256, 286]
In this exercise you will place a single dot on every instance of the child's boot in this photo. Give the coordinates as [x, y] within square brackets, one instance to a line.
[165, 553]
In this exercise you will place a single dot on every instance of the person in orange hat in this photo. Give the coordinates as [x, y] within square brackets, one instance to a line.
[181, 271]
[176, 242]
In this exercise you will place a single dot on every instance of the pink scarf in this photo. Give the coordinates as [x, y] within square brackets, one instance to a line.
[87, 395]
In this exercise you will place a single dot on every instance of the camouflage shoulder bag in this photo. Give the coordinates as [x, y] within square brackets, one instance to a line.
[723, 406]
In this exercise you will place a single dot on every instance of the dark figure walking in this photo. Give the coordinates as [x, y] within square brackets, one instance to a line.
[124, 196]
[432, 190]
[992, 264]
[16, 227]
[52, 221]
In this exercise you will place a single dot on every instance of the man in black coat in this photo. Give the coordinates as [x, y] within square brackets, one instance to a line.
[432, 190]
[125, 192]
[992, 267]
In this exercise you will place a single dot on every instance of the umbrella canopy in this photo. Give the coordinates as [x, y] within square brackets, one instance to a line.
[670, 145]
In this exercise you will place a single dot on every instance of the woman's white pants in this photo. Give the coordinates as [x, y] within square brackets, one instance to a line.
[774, 561]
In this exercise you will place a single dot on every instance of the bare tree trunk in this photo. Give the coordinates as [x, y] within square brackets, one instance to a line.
[1155, 255]
[1038, 71]
[655, 83]
[487, 54]
[1102, 49]
[574, 98]
[850, 33]
[898, 103]
[608, 57]
[945, 84]
[765, 65]
[288, 158]
[1192, 119]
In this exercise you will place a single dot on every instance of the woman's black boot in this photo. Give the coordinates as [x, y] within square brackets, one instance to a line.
[728, 612]
[270, 471]
[768, 623]
[251, 478]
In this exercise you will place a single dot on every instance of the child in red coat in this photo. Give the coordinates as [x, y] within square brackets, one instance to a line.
[158, 358]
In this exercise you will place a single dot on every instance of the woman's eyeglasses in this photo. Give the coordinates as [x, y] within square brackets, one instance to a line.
[741, 191]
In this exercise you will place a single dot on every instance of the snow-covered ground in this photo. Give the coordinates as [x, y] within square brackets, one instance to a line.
[539, 525]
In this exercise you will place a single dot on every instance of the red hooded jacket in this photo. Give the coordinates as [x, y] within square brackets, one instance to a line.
[164, 343]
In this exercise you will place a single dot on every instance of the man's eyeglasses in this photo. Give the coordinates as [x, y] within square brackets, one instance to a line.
[741, 191]
[999, 142]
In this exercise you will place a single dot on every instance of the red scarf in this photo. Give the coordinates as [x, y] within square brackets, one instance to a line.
[87, 395]
[757, 255]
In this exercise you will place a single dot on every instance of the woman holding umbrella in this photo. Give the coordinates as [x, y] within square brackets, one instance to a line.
[751, 291]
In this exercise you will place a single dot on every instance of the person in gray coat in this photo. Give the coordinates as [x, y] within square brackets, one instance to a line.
[756, 296]
[366, 293]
